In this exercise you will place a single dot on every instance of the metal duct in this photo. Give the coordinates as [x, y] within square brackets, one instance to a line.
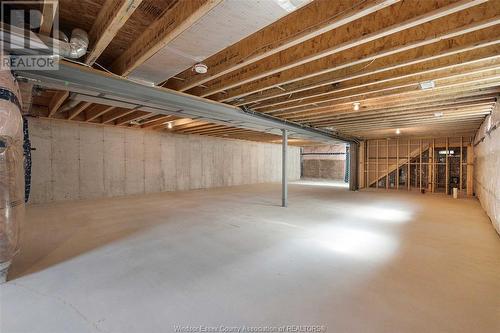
[14, 39]
[11, 171]
[77, 46]
[71, 103]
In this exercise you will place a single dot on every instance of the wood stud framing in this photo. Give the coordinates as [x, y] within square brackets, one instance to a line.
[426, 164]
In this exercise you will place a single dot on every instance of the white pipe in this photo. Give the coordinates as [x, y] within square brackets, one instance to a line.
[11, 170]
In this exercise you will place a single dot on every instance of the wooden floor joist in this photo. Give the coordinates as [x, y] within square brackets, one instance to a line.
[305, 23]
[380, 24]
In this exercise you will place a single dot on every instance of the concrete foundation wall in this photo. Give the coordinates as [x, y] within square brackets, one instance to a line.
[487, 166]
[79, 161]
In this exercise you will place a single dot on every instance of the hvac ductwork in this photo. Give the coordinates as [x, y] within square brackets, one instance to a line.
[14, 41]
[77, 46]
[11, 170]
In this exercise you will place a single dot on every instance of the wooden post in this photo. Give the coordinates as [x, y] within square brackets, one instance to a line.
[433, 165]
[387, 165]
[397, 164]
[461, 162]
[420, 166]
[361, 169]
[368, 163]
[470, 170]
[408, 173]
[447, 185]
[429, 167]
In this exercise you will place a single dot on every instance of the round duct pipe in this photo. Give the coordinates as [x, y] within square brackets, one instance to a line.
[77, 46]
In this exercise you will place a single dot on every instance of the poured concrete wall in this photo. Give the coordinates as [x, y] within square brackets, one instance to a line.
[487, 166]
[79, 161]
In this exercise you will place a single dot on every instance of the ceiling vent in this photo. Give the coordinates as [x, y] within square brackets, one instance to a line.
[427, 85]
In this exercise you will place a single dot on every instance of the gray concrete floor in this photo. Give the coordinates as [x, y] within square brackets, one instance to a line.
[353, 262]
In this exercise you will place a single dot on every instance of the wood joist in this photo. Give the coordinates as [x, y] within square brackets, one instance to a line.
[383, 69]
[414, 20]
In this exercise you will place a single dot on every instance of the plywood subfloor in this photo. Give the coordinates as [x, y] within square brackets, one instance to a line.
[354, 262]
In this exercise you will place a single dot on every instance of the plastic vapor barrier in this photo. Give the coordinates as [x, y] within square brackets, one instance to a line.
[11, 171]
[487, 166]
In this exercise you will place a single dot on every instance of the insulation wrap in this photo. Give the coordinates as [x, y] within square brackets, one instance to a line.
[11, 171]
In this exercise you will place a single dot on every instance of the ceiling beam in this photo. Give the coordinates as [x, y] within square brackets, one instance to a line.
[415, 115]
[366, 29]
[406, 123]
[195, 128]
[133, 116]
[157, 121]
[402, 110]
[324, 109]
[56, 101]
[490, 75]
[400, 77]
[442, 52]
[112, 16]
[97, 111]
[303, 24]
[78, 109]
[434, 102]
[115, 114]
[430, 107]
[161, 32]
[49, 12]
[193, 123]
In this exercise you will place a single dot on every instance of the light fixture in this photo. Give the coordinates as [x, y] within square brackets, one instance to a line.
[398, 131]
[135, 122]
[427, 85]
[438, 114]
[170, 125]
[356, 106]
[200, 68]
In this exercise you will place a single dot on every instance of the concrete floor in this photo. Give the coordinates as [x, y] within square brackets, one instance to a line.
[353, 262]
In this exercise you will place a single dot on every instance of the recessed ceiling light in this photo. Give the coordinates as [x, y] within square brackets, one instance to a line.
[438, 114]
[170, 125]
[135, 122]
[398, 131]
[356, 106]
[200, 68]
[427, 85]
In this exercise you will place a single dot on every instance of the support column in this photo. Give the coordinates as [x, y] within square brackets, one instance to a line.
[284, 171]
[353, 165]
